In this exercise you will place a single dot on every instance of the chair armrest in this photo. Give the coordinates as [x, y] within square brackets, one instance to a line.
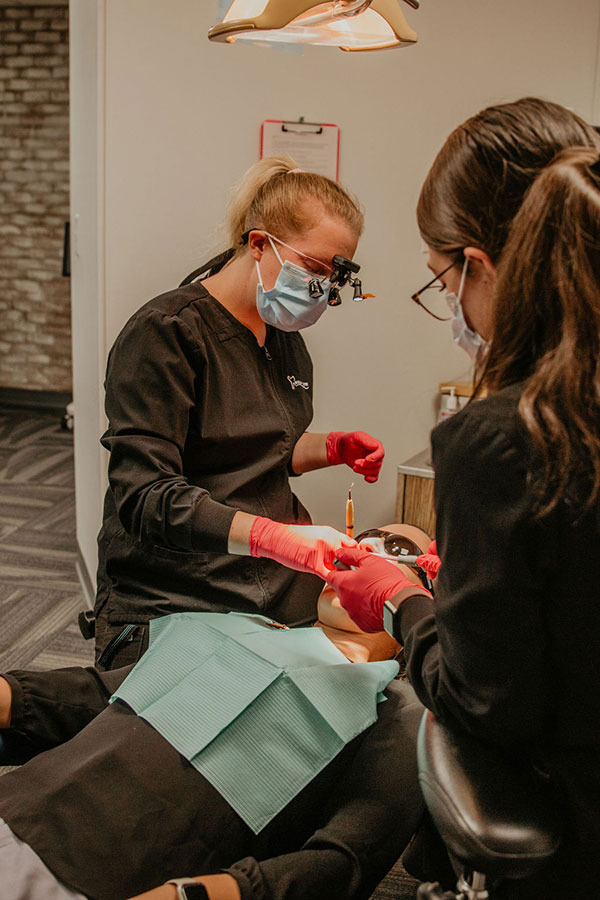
[494, 812]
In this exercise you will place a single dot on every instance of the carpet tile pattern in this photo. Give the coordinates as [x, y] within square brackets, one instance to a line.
[40, 593]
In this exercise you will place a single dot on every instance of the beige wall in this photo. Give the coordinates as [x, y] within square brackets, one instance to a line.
[181, 123]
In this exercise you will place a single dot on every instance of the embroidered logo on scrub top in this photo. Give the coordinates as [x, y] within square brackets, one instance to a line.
[295, 383]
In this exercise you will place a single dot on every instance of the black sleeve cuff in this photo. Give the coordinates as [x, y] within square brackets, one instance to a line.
[211, 523]
[291, 472]
[402, 612]
[52, 707]
[248, 876]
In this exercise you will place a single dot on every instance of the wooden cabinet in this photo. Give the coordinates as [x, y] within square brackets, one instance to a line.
[414, 493]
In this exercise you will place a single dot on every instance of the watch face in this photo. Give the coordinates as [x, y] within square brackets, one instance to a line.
[194, 892]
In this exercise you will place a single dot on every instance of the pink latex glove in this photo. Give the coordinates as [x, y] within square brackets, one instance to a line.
[306, 548]
[364, 590]
[430, 561]
[363, 453]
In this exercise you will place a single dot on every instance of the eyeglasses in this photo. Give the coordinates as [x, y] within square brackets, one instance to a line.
[434, 301]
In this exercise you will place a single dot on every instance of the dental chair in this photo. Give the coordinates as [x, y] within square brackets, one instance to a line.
[493, 811]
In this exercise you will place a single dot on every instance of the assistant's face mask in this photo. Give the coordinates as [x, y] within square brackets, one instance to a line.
[470, 340]
[288, 305]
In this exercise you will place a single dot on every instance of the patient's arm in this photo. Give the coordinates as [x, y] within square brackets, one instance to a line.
[52, 707]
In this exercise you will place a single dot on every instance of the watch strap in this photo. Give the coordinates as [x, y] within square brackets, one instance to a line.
[188, 889]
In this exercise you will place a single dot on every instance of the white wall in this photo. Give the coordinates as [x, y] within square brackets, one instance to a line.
[86, 25]
[182, 122]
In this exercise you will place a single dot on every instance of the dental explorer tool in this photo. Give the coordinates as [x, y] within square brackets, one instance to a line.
[407, 560]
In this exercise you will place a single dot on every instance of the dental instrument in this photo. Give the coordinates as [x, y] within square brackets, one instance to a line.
[350, 513]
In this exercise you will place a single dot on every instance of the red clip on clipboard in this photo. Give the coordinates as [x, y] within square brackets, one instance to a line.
[315, 146]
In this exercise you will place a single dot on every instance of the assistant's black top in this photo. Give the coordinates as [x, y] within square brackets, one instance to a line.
[114, 810]
[509, 649]
[202, 422]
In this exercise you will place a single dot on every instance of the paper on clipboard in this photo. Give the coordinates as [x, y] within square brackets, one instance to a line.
[315, 146]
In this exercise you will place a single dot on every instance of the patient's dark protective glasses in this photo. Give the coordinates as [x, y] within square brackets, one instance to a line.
[397, 545]
[432, 298]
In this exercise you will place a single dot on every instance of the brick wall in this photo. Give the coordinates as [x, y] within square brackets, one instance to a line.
[35, 326]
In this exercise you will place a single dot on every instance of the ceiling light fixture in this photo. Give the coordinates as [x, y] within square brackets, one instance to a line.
[348, 24]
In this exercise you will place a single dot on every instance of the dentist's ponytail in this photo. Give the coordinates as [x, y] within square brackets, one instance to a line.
[272, 195]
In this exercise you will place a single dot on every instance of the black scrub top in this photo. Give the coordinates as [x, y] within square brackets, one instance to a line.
[202, 422]
[509, 649]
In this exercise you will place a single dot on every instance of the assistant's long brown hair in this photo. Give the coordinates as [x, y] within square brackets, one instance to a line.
[481, 174]
[546, 326]
[471, 195]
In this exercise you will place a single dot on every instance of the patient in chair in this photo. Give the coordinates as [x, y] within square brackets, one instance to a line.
[108, 808]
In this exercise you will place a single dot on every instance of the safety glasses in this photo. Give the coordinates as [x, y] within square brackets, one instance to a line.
[388, 542]
[319, 268]
[342, 271]
[391, 544]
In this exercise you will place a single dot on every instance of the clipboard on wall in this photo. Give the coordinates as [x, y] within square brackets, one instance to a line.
[315, 146]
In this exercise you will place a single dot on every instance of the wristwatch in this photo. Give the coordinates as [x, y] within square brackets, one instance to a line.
[188, 889]
[390, 623]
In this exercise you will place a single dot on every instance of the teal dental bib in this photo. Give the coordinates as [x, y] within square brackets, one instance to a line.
[257, 710]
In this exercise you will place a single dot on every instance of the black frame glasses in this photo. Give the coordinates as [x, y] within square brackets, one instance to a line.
[431, 285]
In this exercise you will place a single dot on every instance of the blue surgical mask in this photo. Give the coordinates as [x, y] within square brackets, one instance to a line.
[288, 305]
[470, 340]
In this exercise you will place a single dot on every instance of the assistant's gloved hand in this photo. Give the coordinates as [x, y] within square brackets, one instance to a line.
[430, 561]
[363, 453]
[363, 591]
[306, 548]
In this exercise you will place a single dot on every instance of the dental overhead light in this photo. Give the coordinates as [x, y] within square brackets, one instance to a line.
[347, 24]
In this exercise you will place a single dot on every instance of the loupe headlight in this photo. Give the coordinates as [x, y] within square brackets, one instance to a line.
[315, 289]
[343, 273]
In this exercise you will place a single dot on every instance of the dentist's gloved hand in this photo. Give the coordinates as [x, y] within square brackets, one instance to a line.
[430, 561]
[363, 453]
[306, 548]
[363, 591]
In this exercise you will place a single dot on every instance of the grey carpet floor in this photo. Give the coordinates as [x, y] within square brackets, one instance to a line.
[40, 594]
